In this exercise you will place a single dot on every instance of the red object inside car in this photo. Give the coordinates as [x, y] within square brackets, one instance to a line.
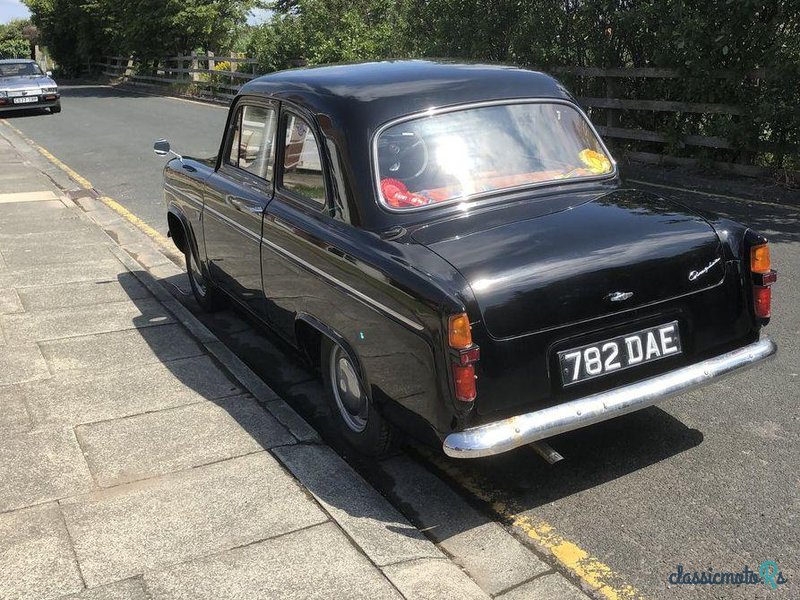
[396, 194]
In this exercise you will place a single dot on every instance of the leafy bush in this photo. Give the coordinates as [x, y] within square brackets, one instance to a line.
[15, 49]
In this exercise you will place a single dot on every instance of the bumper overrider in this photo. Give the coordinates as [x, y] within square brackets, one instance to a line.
[501, 436]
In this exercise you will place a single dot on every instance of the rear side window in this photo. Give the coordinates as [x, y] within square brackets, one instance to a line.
[253, 141]
[302, 164]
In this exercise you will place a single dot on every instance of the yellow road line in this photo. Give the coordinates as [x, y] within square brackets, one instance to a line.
[592, 573]
[152, 233]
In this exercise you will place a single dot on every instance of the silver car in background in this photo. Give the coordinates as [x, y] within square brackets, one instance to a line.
[24, 85]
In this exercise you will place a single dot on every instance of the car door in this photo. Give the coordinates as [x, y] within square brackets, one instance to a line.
[293, 221]
[236, 196]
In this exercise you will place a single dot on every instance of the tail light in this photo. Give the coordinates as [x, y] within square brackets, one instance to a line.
[763, 277]
[464, 354]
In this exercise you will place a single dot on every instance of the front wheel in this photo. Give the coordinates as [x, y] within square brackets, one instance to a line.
[357, 420]
[207, 295]
[54, 110]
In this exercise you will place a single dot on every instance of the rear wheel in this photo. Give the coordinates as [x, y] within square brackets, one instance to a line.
[207, 295]
[356, 417]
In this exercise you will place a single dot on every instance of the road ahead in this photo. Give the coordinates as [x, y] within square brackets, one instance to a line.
[708, 480]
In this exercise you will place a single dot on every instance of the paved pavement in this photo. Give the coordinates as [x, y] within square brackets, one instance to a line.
[140, 459]
[707, 480]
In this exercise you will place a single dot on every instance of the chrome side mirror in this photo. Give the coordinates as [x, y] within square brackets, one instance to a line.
[161, 147]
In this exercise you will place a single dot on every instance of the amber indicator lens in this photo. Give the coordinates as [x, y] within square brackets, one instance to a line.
[459, 332]
[759, 259]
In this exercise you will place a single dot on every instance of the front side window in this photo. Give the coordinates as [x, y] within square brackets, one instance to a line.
[253, 141]
[302, 164]
[475, 151]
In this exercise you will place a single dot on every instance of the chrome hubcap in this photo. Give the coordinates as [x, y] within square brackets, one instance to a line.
[350, 398]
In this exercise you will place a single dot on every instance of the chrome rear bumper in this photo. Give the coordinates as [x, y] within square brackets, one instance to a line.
[501, 436]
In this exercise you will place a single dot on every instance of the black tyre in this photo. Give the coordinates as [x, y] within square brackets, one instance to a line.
[357, 420]
[55, 109]
[208, 297]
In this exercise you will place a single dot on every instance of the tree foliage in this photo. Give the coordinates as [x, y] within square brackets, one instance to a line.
[78, 32]
[715, 44]
[16, 38]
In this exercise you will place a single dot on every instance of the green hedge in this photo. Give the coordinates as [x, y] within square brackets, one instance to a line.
[15, 49]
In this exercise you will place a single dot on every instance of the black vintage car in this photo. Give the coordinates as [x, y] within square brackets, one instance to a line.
[452, 246]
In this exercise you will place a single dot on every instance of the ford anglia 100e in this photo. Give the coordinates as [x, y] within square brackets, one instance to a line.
[452, 246]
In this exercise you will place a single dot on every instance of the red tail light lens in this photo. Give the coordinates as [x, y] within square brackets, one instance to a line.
[762, 301]
[464, 378]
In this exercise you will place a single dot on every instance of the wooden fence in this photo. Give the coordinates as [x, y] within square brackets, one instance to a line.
[611, 109]
[201, 72]
[608, 111]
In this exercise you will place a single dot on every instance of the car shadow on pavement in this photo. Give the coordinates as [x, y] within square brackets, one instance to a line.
[594, 455]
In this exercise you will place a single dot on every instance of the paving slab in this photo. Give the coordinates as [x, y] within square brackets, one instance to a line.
[35, 196]
[73, 398]
[14, 416]
[14, 182]
[130, 589]
[548, 587]
[123, 531]
[489, 553]
[10, 301]
[58, 273]
[87, 236]
[432, 578]
[3, 265]
[143, 446]
[17, 217]
[36, 561]
[39, 466]
[120, 349]
[318, 563]
[380, 531]
[85, 320]
[24, 363]
[35, 226]
[50, 254]
[124, 286]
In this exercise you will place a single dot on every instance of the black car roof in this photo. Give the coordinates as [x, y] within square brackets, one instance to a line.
[380, 91]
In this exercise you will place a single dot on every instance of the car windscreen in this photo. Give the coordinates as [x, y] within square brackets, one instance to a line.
[19, 69]
[469, 152]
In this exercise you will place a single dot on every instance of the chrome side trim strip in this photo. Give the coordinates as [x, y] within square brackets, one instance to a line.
[501, 436]
[182, 194]
[251, 234]
[349, 289]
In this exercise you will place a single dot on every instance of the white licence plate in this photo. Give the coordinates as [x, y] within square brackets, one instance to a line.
[26, 100]
[619, 353]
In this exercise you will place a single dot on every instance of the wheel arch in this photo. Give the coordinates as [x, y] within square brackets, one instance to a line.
[309, 331]
[179, 229]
